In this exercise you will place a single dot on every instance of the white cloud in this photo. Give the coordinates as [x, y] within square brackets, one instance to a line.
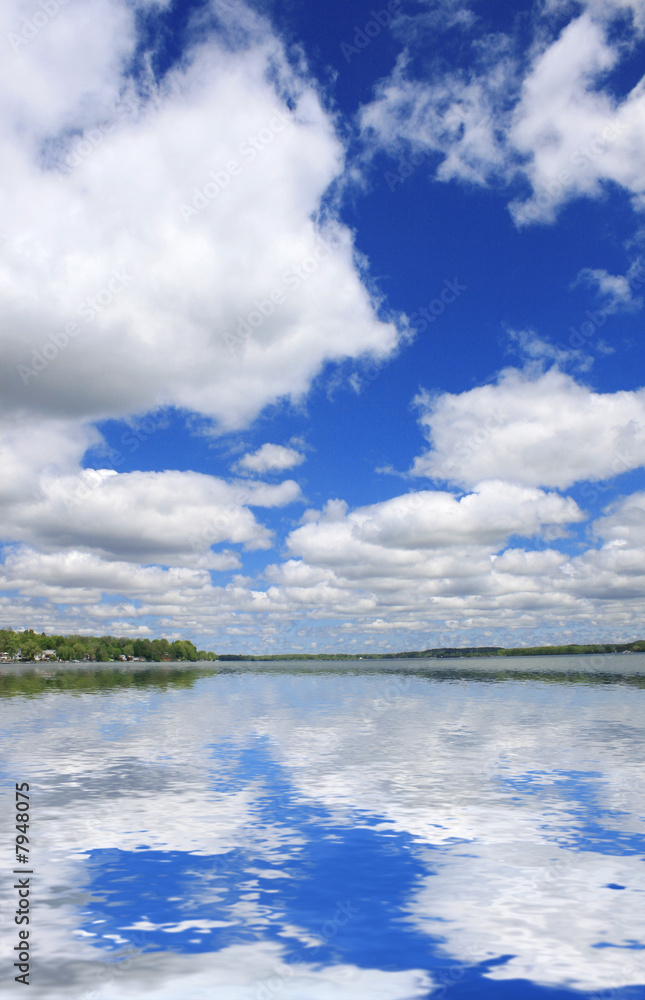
[426, 553]
[624, 522]
[453, 116]
[541, 115]
[75, 577]
[536, 352]
[31, 449]
[187, 284]
[431, 520]
[163, 242]
[426, 568]
[151, 516]
[182, 278]
[433, 16]
[169, 517]
[431, 560]
[539, 430]
[271, 458]
[615, 289]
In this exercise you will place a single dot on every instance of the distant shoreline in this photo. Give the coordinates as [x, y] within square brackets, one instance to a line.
[453, 652]
[33, 678]
[30, 647]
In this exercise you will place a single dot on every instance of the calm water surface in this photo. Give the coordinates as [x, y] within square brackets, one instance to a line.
[357, 831]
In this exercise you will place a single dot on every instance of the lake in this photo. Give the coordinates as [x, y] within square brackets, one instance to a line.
[364, 830]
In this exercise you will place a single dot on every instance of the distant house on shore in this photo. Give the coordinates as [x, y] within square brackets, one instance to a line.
[48, 654]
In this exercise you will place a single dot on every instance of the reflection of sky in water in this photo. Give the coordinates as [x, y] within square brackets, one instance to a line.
[302, 838]
[579, 794]
[343, 889]
[340, 885]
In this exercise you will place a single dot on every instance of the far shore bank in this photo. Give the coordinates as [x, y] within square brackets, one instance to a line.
[31, 679]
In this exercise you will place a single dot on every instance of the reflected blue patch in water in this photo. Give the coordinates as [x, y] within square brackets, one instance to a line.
[346, 886]
[630, 946]
[579, 792]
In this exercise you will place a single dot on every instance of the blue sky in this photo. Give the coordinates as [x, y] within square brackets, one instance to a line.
[325, 333]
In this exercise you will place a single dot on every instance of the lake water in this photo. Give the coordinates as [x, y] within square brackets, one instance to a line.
[390, 830]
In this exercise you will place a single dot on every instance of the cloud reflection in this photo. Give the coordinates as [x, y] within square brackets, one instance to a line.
[207, 837]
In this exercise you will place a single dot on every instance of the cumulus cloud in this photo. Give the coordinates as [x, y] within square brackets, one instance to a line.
[76, 577]
[538, 430]
[143, 257]
[431, 520]
[164, 240]
[145, 262]
[170, 517]
[165, 517]
[624, 522]
[425, 553]
[540, 115]
[433, 560]
[271, 458]
[422, 569]
[428, 559]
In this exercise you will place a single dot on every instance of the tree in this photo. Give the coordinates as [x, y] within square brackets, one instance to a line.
[142, 649]
[183, 649]
[8, 641]
[159, 648]
[29, 648]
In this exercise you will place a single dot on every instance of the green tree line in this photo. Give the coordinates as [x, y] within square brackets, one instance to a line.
[28, 645]
[451, 652]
